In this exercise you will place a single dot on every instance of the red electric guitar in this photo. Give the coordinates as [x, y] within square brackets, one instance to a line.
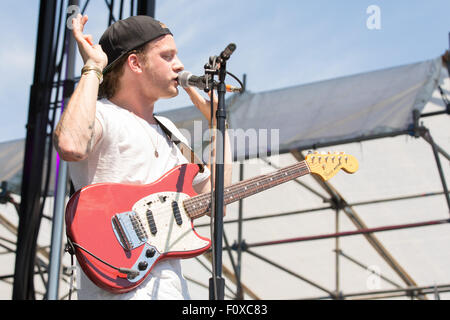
[119, 231]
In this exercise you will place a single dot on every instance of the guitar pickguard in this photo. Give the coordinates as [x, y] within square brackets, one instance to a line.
[165, 223]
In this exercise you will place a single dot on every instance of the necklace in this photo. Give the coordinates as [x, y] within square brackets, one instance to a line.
[157, 135]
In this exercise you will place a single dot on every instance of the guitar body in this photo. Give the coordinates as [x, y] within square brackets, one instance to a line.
[133, 227]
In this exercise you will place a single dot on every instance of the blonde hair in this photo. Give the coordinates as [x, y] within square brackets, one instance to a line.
[111, 80]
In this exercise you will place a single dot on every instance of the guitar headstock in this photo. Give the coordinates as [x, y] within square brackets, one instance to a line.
[327, 165]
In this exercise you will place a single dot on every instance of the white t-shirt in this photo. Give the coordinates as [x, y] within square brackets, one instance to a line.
[126, 154]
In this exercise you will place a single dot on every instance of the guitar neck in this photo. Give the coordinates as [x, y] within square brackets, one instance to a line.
[200, 205]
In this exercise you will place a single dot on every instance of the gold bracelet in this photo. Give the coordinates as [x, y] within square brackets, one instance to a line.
[89, 69]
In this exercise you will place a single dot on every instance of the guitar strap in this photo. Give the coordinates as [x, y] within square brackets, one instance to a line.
[180, 142]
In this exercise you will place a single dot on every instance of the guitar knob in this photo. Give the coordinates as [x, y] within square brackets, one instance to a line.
[142, 265]
[150, 253]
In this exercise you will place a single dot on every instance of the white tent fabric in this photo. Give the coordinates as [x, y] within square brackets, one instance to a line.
[11, 158]
[324, 113]
[390, 168]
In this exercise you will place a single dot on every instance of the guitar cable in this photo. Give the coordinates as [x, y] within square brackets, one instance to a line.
[130, 272]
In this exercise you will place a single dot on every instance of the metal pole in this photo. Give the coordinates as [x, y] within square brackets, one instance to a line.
[408, 291]
[267, 216]
[367, 268]
[61, 183]
[289, 272]
[337, 253]
[349, 233]
[346, 141]
[29, 213]
[283, 214]
[358, 222]
[217, 283]
[146, 7]
[239, 293]
[428, 194]
[429, 139]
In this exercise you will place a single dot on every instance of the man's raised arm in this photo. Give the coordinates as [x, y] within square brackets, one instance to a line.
[78, 130]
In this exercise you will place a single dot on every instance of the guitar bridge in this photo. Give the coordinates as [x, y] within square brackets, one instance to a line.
[129, 230]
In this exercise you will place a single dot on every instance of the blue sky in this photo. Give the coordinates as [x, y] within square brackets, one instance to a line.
[279, 43]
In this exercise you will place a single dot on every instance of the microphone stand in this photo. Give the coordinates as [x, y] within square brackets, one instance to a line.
[217, 283]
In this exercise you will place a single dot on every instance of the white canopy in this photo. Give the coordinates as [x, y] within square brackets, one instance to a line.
[351, 108]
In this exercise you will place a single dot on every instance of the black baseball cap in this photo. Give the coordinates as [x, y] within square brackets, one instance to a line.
[126, 35]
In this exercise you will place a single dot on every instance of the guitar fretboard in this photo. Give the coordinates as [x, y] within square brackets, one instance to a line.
[201, 204]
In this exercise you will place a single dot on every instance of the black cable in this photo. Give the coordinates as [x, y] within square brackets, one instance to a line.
[132, 273]
[85, 7]
[237, 79]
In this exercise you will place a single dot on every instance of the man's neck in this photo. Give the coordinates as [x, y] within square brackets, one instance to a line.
[140, 106]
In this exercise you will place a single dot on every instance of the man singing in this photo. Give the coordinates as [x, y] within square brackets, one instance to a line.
[117, 138]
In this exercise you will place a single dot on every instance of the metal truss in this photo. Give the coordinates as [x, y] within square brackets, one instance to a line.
[54, 81]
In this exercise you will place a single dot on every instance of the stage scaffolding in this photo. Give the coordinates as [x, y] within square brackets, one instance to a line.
[54, 81]
[337, 204]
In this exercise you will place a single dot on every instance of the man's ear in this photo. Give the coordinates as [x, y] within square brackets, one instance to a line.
[134, 63]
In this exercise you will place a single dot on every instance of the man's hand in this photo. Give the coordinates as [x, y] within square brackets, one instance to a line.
[78, 130]
[92, 55]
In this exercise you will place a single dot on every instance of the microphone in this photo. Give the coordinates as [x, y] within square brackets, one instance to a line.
[225, 54]
[187, 79]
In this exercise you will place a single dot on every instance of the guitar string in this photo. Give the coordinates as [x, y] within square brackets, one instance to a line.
[190, 204]
[256, 182]
[297, 168]
[142, 217]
